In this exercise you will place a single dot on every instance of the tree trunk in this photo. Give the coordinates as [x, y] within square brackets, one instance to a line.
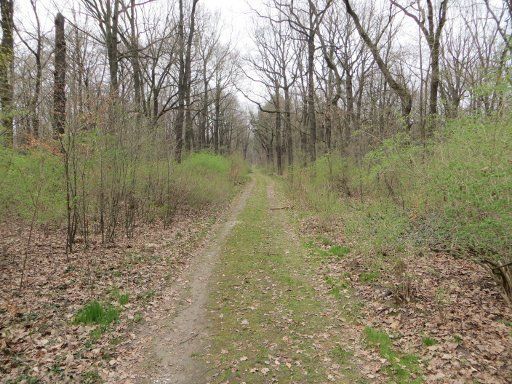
[6, 71]
[279, 146]
[311, 92]
[180, 116]
[135, 60]
[204, 113]
[400, 89]
[288, 125]
[59, 87]
[216, 122]
[112, 52]
[37, 90]
[189, 134]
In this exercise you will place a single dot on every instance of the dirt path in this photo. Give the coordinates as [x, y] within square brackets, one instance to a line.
[272, 318]
[252, 308]
[176, 340]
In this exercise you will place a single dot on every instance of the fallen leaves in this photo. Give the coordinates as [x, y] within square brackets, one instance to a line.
[38, 340]
[454, 302]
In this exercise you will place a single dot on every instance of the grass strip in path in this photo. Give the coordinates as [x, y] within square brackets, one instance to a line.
[268, 323]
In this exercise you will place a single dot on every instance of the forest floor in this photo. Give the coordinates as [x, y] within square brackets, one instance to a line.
[265, 293]
[41, 340]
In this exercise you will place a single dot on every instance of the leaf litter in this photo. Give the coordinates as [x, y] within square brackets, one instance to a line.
[39, 337]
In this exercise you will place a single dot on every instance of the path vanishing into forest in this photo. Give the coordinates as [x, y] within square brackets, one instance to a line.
[248, 308]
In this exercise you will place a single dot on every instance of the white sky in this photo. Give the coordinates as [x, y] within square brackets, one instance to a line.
[235, 15]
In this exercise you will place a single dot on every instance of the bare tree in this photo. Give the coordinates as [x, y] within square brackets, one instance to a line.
[106, 13]
[6, 70]
[59, 90]
[431, 23]
[399, 87]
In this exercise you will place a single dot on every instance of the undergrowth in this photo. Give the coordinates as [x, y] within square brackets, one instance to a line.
[97, 313]
[453, 193]
[108, 179]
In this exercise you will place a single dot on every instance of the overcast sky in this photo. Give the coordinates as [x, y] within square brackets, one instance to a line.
[235, 15]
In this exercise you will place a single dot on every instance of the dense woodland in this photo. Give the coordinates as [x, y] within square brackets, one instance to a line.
[391, 117]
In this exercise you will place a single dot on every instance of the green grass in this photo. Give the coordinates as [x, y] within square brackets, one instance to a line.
[369, 277]
[121, 297]
[339, 250]
[401, 368]
[341, 355]
[428, 341]
[97, 313]
[91, 377]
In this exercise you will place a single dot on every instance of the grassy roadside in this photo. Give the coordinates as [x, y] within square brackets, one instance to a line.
[268, 321]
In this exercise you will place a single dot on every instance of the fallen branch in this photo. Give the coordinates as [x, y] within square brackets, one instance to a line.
[503, 276]
[278, 208]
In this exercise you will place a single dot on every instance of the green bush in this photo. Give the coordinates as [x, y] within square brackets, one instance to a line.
[453, 192]
[111, 174]
[31, 181]
[204, 178]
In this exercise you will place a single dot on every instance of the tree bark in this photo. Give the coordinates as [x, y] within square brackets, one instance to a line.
[279, 146]
[311, 87]
[59, 86]
[189, 134]
[6, 71]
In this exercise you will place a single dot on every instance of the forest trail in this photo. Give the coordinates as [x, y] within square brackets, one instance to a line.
[270, 318]
[181, 336]
[249, 308]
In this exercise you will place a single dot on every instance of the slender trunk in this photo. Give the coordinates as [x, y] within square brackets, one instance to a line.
[434, 86]
[180, 116]
[288, 124]
[135, 60]
[311, 94]
[187, 77]
[37, 91]
[216, 122]
[204, 113]
[349, 90]
[6, 71]
[112, 52]
[59, 87]
[400, 89]
[279, 148]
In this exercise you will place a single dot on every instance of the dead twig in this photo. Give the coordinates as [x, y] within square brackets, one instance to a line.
[278, 208]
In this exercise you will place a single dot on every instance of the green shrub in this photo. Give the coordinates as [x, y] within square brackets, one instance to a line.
[31, 181]
[454, 191]
[122, 175]
[204, 178]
